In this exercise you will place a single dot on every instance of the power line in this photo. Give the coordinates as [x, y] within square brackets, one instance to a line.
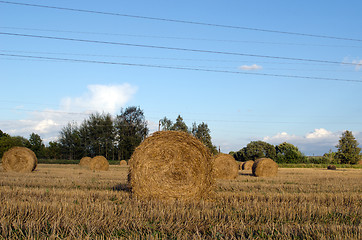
[156, 58]
[186, 119]
[193, 66]
[183, 21]
[174, 48]
[182, 68]
[181, 38]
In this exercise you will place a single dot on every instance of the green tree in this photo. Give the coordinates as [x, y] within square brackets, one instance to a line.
[53, 151]
[255, 150]
[36, 145]
[7, 142]
[348, 150]
[329, 157]
[2, 134]
[288, 153]
[166, 124]
[70, 141]
[131, 129]
[97, 135]
[202, 132]
[179, 125]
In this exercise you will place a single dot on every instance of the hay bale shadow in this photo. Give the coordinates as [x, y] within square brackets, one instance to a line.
[245, 174]
[124, 187]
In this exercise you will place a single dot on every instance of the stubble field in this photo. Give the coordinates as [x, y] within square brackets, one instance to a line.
[67, 201]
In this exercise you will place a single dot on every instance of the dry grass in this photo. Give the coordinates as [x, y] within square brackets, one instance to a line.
[67, 201]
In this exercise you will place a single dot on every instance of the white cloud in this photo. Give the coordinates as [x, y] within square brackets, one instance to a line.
[48, 122]
[358, 64]
[320, 133]
[107, 98]
[250, 67]
[316, 142]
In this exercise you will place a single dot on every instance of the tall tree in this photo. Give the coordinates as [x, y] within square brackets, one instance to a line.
[131, 128]
[69, 140]
[348, 150]
[202, 132]
[97, 135]
[166, 124]
[179, 125]
[53, 150]
[36, 145]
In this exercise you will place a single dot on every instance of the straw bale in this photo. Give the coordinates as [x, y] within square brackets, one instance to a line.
[85, 161]
[241, 165]
[331, 167]
[99, 163]
[265, 167]
[171, 165]
[19, 159]
[123, 163]
[360, 162]
[225, 166]
[248, 165]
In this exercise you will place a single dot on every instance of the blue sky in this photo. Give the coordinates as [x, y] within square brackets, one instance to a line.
[246, 104]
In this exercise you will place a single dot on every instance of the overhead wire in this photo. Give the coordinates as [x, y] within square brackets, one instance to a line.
[181, 38]
[88, 113]
[158, 58]
[184, 21]
[197, 66]
[175, 48]
[181, 68]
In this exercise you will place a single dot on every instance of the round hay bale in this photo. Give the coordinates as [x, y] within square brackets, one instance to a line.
[171, 165]
[225, 166]
[241, 165]
[99, 163]
[360, 162]
[332, 167]
[19, 159]
[265, 167]
[123, 163]
[84, 162]
[248, 165]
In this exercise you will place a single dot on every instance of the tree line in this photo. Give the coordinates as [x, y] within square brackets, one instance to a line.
[101, 134]
[117, 137]
[348, 152]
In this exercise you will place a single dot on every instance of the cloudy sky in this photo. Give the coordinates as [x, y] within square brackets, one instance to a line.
[252, 70]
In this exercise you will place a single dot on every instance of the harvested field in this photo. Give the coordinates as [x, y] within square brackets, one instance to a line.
[68, 201]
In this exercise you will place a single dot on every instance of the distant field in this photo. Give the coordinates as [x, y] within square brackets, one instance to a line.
[67, 201]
